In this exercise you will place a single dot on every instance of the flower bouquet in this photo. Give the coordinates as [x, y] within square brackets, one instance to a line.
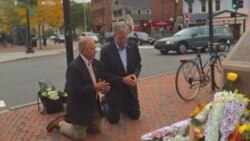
[49, 98]
[226, 118]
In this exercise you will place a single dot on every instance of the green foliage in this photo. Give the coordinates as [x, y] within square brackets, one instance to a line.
[25, 2]
[77, 15]
[9, 17]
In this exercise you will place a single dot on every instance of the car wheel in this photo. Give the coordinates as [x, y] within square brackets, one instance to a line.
[164, 52]
[182, 48]
[152, 43]
[139, 43]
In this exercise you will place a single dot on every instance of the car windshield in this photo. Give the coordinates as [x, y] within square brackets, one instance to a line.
[185, 32]
[142, 34]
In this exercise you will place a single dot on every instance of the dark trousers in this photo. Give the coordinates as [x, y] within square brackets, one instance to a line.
[123, 102]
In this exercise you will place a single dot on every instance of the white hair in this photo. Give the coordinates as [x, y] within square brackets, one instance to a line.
[120, 27]
[82, 43]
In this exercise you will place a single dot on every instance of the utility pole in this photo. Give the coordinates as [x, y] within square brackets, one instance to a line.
[175, 13]
[29, 48]
[235, 24]
[85, 21]
[211, 41]
[68, 31]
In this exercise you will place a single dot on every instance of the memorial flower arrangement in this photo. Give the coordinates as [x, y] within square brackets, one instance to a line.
[226, 118]
[53, 94]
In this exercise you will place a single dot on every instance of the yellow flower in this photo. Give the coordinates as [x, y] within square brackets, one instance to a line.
[232, 76]
[244, 128]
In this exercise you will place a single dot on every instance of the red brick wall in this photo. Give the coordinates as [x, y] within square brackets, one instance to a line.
[165, 8]
[103, 18]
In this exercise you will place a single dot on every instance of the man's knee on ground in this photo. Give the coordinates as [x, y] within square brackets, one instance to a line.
[113, 119]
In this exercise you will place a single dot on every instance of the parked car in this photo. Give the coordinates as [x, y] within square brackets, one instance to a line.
[141, 38]
[193, 38]
[109, 37]
[89, 34]
[57, 38]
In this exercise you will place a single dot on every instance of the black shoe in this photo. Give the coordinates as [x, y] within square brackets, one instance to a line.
[54, 124]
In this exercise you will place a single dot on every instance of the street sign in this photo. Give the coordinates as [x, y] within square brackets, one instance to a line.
[186, 18]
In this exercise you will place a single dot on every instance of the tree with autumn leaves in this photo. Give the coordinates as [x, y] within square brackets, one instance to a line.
[42, 12]
[13, 13]
[8, 16]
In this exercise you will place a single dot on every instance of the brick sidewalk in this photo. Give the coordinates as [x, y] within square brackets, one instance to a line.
[160, 106]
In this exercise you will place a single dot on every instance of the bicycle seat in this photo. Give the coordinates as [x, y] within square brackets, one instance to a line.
[184, 60]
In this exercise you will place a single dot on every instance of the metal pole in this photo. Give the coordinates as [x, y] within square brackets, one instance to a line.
[161, 9]
[211, 40]
[235, 22]
[28, 41]
[68, 31]
[175, 14]
[85, 26]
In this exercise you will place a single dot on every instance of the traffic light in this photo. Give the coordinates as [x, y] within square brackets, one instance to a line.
[240, 3]
[235, 4]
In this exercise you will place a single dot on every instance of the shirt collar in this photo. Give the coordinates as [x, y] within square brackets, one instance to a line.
[86, 61]
[119, 47]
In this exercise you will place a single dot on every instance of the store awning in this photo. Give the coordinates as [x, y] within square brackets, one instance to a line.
[161, 22]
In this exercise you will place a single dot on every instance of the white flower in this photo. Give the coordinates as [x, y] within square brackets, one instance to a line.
[51, 94]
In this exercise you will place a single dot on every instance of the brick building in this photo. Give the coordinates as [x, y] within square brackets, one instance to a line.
[166, 9]
[106, 12]
[101, 15]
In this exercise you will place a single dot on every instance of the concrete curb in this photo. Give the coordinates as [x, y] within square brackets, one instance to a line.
[4, 111]
[17, 107]
[39, 53]
[22, 106]
[27, 56]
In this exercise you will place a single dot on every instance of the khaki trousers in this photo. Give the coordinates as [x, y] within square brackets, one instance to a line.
[79, 132]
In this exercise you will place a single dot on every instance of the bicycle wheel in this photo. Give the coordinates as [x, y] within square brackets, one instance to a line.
[188, 80]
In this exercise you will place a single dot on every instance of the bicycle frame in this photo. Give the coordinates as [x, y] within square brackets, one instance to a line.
[213, 57]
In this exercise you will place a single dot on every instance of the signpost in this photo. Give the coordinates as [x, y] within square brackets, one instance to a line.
[186, 18]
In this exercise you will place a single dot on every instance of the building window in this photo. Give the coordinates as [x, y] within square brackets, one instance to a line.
[217, 5]
[190, 8]
[203, 6]
[119, 13]
[116, 2]
[139, 12]
[148, 11]
[115, 13]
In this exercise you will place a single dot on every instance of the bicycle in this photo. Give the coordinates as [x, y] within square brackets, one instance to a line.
[192, 74]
